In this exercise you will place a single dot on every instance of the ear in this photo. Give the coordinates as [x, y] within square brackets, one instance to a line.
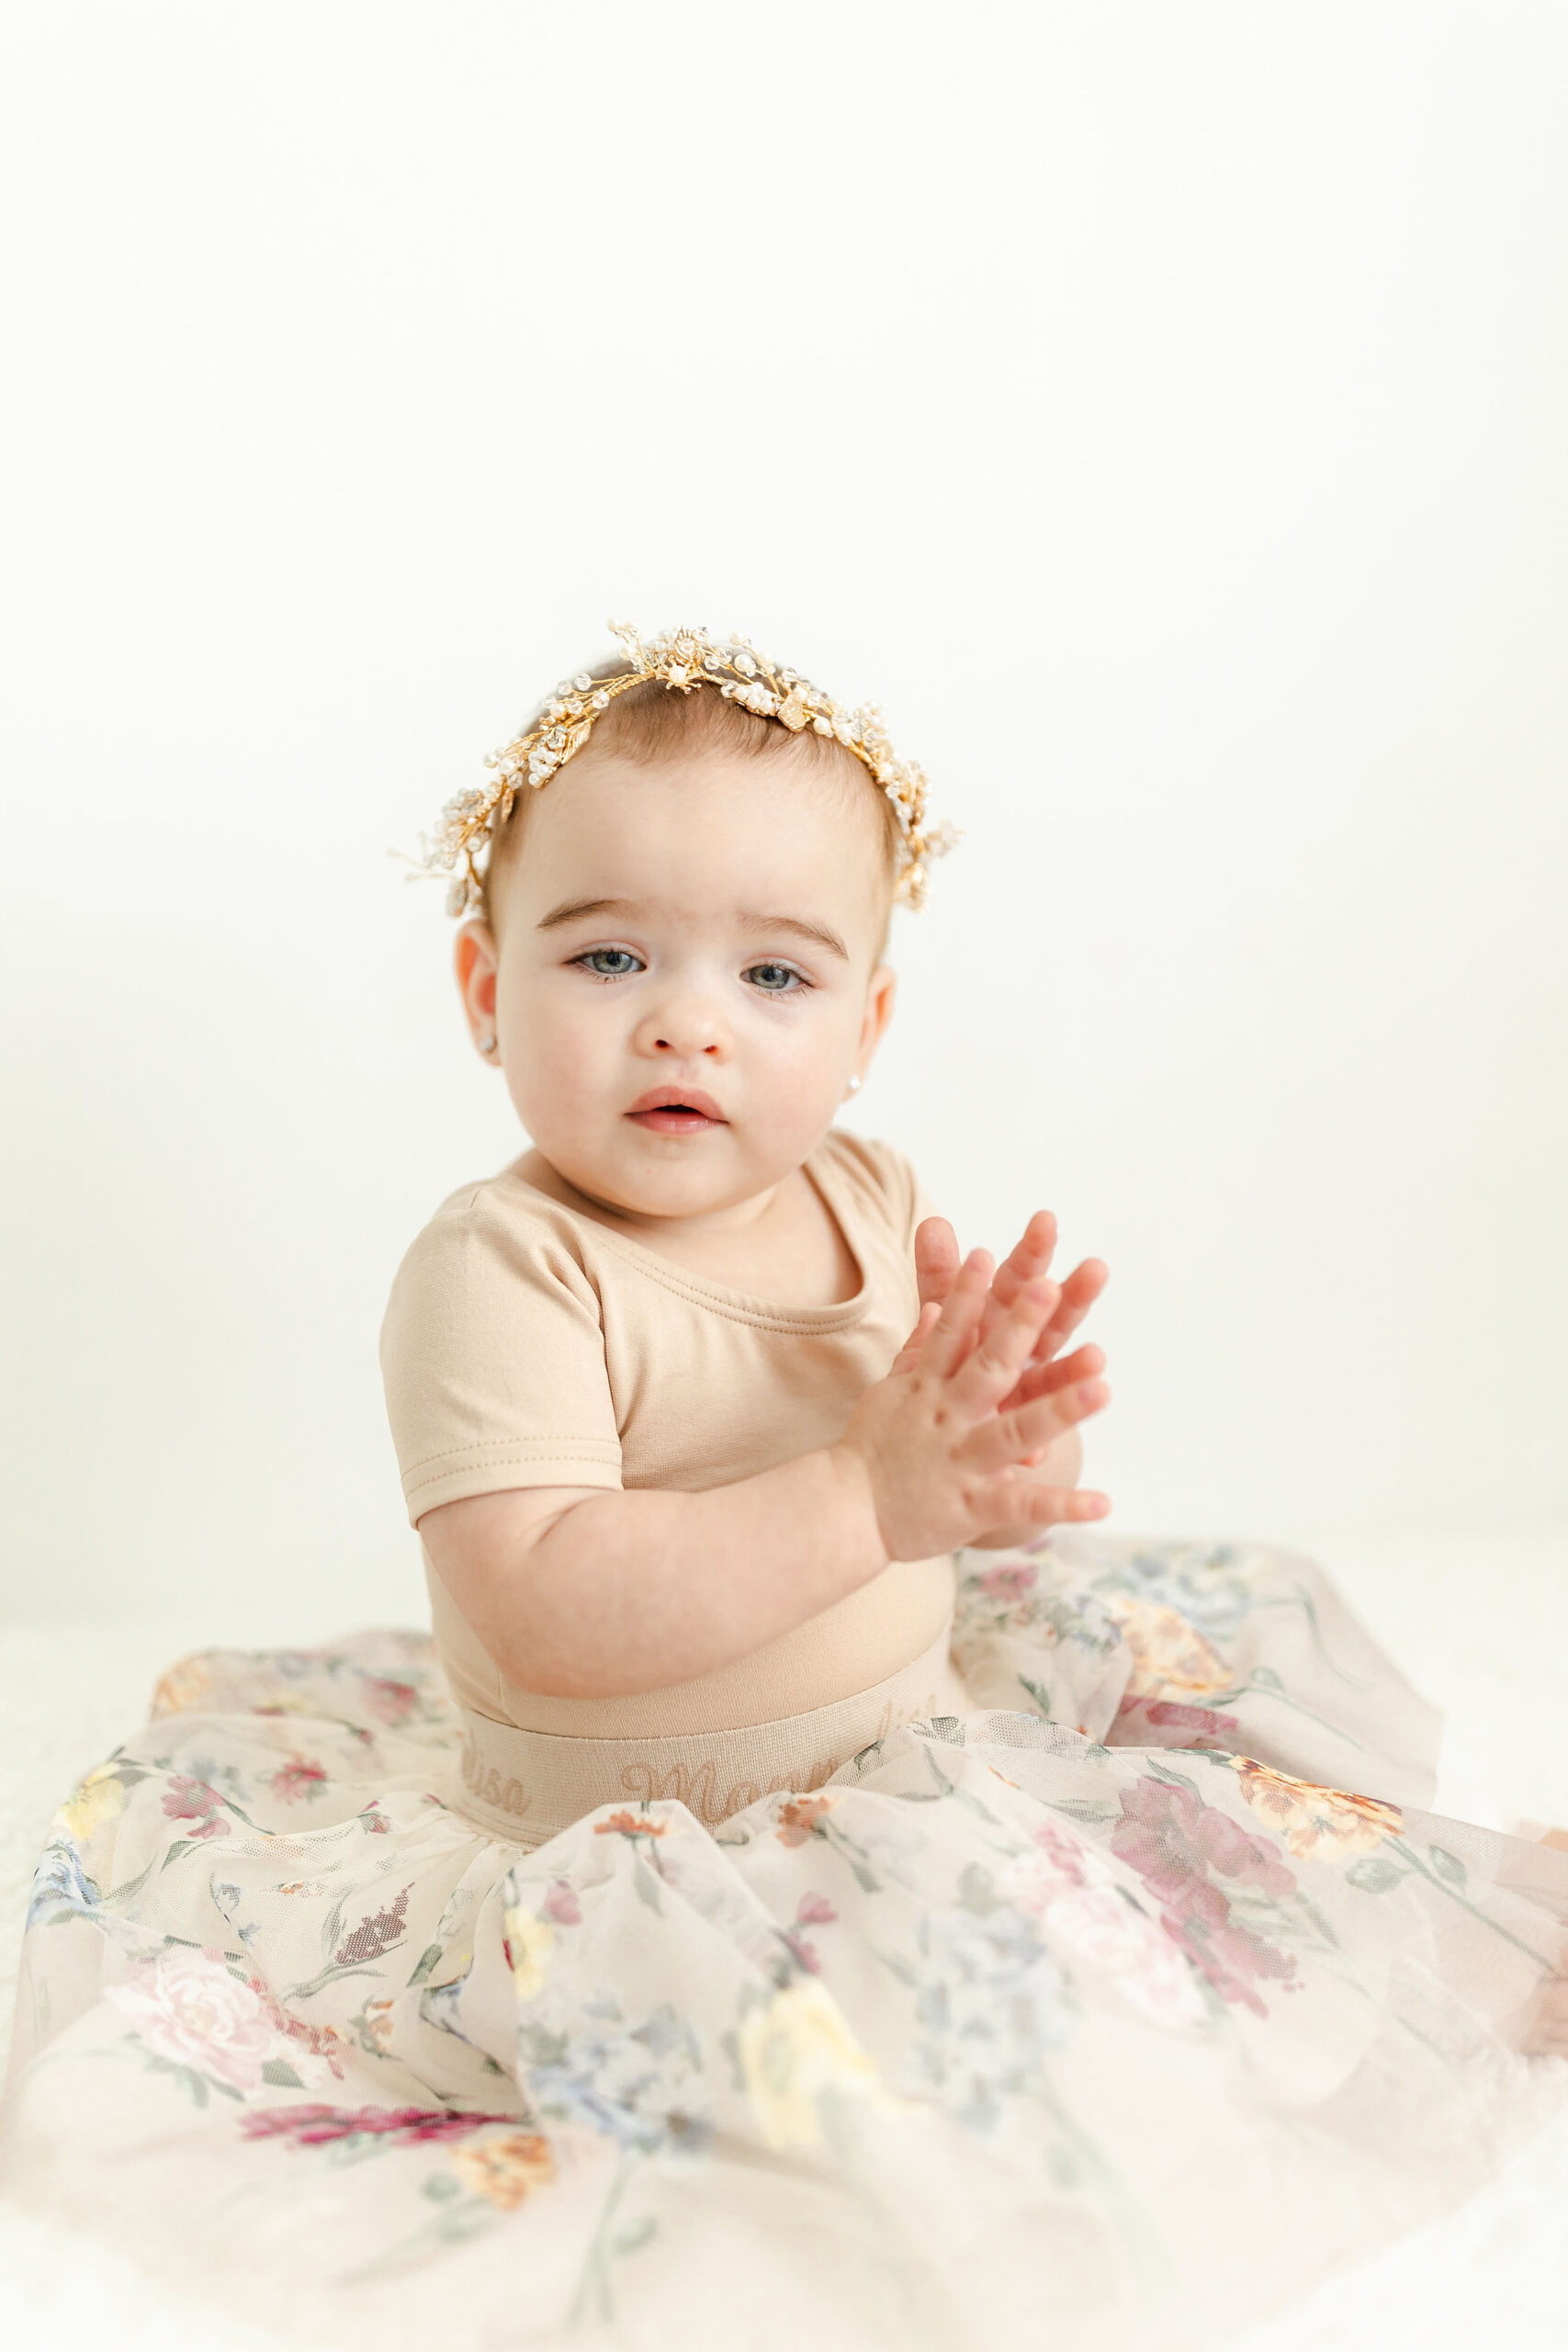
[475, 958]
[880, 990]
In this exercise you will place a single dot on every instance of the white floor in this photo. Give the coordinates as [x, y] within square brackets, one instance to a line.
[1479, 1623]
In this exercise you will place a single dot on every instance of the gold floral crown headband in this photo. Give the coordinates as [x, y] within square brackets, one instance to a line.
[684, 659]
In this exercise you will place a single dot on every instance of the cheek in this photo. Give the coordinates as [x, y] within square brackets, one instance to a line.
[807, 1055]
[562, 1035]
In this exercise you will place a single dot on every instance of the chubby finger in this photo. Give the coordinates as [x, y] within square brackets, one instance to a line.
[1080, 1290]
[1023, 1432]
[1030, 1258]
[948, 1341]
[1005, 1344]
[1047, 1378]
[1031, 1255]
[1017, 1500]
[936, 1259]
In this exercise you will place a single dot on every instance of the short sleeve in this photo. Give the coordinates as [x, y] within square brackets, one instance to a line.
[493, 1358]
[886, 1179]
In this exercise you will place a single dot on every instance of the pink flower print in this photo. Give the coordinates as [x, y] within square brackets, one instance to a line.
[1011, 1580]
[1173, 1839]
[562, 1905]
[1231, 1956]
[298, 1778]
[1170, 1836]
[317, 2127]
[1137, 1712]
[812, 1911]
[388, 1701]
[375, 1934]
[1035, 1880]
[1073, 1858]
[196, 1800]
[320, 2046]
[1115, 1938]
[186, 2008]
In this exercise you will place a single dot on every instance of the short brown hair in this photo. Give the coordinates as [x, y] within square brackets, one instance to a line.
[657, 727]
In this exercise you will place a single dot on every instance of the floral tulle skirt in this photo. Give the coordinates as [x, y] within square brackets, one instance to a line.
[1140, 1995]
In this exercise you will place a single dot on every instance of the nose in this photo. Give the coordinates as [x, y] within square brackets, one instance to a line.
[687, 1026]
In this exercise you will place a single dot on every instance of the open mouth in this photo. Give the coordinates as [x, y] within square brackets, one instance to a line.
[676, 1113]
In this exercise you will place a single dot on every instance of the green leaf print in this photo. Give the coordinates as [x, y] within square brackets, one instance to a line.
[976, 1891]
[1038, 1693]
[1448, 1866]
[541, 2045]
[1374, 1874]
[647, 1886]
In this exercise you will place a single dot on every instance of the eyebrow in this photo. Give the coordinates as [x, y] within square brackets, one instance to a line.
[816, 931]
[574, 910]
[571, 908]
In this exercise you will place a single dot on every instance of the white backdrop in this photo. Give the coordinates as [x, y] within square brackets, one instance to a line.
[1159, 410]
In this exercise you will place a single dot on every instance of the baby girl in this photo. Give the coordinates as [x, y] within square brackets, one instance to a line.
[664, 1425]
[811, 1888]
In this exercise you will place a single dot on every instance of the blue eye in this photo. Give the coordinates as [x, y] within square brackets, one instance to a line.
[776, 980]
[609, 963]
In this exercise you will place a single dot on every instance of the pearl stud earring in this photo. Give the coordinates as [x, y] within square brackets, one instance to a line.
[486, 1045]
[854, 1086]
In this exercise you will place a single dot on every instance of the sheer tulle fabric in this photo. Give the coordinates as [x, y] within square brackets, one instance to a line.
[1142, 1991]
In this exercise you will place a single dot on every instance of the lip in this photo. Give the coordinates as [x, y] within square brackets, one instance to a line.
[697, 1111]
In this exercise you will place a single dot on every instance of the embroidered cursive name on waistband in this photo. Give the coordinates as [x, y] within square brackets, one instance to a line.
[695, 1789]
[695, 1786]
[486, 1786]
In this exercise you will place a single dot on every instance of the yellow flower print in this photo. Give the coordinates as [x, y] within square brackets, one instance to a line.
[379, 2022]
[506, 2170]
[1313, 1820]
[529, 1943]
[794, 2051]
[1170, 1657]
[99, 1798]
[186, 1685]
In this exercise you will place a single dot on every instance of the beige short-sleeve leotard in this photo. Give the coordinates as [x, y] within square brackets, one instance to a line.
[527, 1345]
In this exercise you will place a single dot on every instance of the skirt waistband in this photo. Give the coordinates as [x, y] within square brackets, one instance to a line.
[527, 1786]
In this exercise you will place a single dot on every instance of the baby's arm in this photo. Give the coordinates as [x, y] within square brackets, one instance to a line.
[587, 1594]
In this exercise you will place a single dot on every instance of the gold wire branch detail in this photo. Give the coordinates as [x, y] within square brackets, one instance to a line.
[684, 659]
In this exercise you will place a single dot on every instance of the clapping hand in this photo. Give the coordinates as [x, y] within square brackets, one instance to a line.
[972, 1436]
[1048, 1372]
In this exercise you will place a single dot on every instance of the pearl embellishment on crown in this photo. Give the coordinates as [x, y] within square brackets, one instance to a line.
[684, 659]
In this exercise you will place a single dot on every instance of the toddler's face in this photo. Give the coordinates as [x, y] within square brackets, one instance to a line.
[687, 973]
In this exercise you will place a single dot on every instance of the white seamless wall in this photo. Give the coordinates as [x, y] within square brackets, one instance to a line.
[1158, 410]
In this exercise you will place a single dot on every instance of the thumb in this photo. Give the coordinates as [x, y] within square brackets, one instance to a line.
[936, 1259]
